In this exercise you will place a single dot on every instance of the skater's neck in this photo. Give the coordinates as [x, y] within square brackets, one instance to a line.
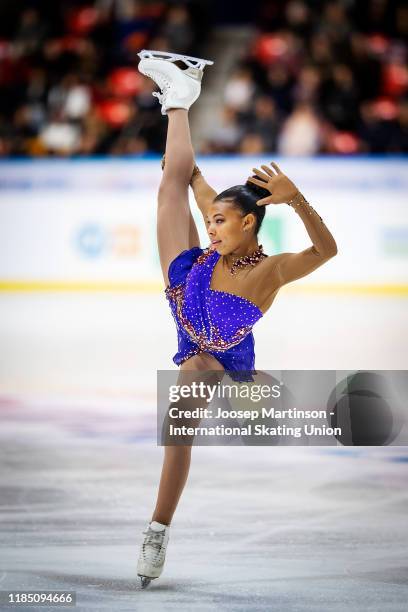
[245, 250]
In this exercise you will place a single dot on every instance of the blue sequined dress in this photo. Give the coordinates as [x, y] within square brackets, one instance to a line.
[208, 320]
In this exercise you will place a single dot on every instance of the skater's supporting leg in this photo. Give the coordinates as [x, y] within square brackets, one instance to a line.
[173, 214]
[177, 459]
[176, 466]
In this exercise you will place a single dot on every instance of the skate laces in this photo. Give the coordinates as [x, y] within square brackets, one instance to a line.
[154, 540]
[159, 96]
[162, 82]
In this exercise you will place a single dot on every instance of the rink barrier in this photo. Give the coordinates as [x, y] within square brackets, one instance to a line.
[38, 286]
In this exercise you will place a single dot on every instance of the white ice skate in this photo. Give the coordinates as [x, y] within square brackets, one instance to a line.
[153, 552]
[180, 88]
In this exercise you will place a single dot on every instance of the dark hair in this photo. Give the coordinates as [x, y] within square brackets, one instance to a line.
[245, 197]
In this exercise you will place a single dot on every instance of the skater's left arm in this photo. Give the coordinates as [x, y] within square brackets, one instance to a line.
[287, 267]
[203, 193]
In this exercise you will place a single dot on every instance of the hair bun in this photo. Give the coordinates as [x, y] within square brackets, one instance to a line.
[258, 191]
[245, 198]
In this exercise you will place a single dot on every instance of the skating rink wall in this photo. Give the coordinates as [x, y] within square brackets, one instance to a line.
[91, 224]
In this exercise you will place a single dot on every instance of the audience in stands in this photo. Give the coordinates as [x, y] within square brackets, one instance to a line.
[319, 78]
[327, 76]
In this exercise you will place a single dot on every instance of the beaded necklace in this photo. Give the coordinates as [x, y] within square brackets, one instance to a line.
[248, 260]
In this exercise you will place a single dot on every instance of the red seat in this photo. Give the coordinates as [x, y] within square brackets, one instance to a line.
[114, 112]
[270, 47]
[125, 82]
[82, 20]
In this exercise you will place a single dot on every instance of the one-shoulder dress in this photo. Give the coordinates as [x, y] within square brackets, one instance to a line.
[208, 320]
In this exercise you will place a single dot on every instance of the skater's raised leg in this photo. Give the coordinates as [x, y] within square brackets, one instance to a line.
[193, 237]
[173, 213]
[179, 90]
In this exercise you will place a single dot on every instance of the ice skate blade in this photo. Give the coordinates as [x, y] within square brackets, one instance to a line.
[145, 581]
[191, 62]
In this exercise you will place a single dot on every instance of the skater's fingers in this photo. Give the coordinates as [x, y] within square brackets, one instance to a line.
[264, 201]
[276, 167]
[268, 171]
[256, 181]
[262, 175]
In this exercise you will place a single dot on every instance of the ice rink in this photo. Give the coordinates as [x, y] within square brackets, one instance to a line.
[267, 528]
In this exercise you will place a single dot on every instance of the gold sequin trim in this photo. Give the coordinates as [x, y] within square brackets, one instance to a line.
[205, 255]
[216, 342]
[248, 260]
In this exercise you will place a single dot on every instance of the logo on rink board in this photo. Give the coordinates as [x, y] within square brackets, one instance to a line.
[94, 240]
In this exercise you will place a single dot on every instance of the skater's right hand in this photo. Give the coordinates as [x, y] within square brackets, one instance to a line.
[281, 188]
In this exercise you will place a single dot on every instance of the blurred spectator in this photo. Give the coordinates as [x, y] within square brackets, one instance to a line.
[300, 134]
[321, 53]
[365, 66]
[339, 98]
[308, 85]
[133, 23]
[239, 90]
[380, 135]
[334, 21]
[227, 133]
[399, 139]
[263, 122]
[279, 86]
[71, 97]
[60, 137]
[177, 29]
[252, 144]
[298, 17]
[30, 32]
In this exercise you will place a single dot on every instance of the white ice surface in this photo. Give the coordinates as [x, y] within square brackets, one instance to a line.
[294, 529]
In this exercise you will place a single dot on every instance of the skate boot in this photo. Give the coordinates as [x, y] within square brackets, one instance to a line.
[153, 552]
[179, 88]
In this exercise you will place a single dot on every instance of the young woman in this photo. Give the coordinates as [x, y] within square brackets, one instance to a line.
[215, 294]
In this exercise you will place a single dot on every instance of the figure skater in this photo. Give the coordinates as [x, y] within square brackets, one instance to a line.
[216, 294]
